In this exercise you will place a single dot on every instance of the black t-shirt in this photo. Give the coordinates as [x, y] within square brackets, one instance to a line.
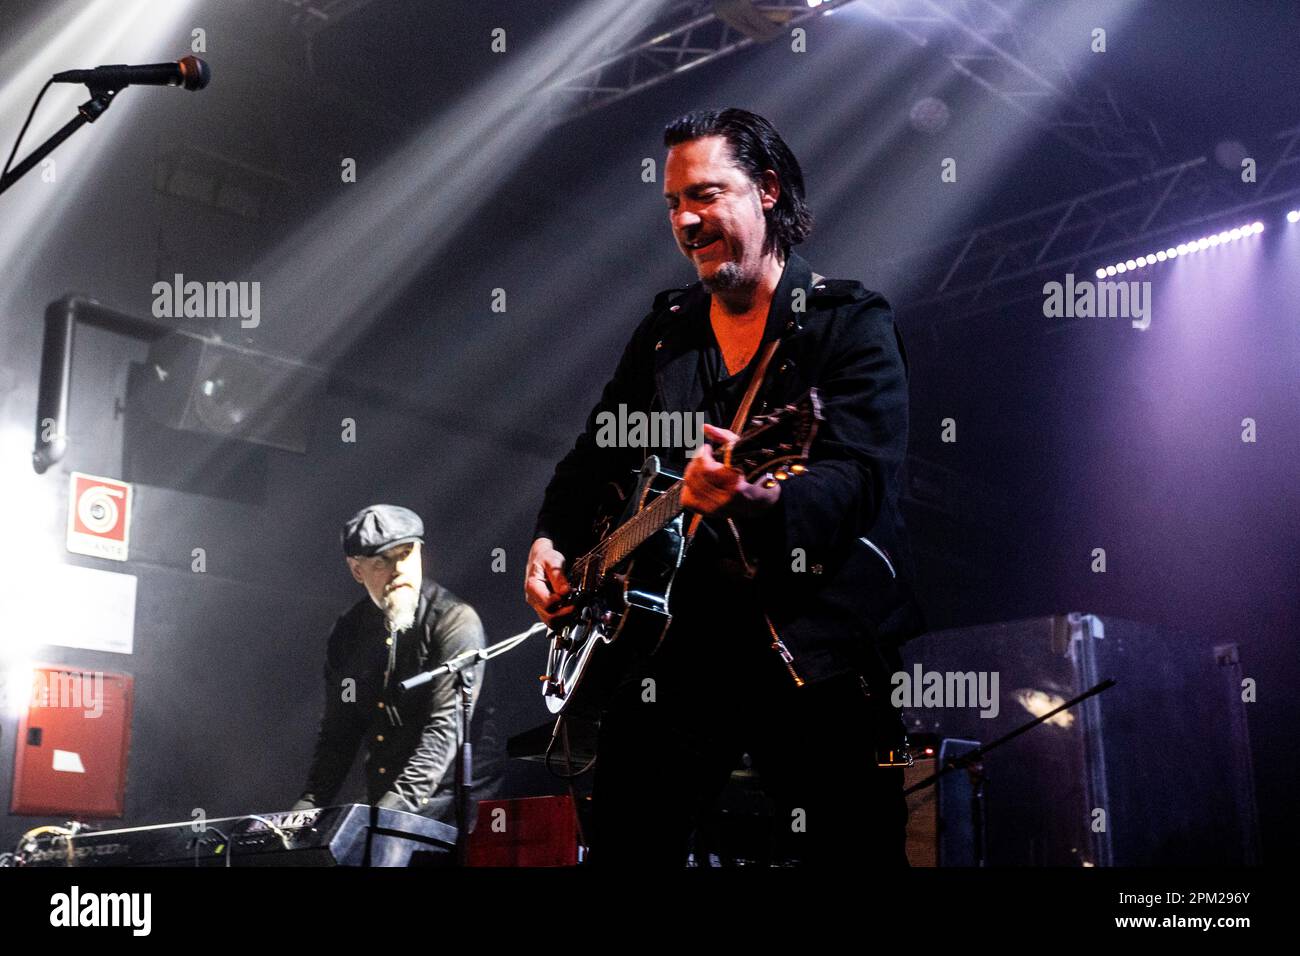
[722, 392]
[711, 590]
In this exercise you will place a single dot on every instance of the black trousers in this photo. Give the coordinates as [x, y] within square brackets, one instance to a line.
[672, 736]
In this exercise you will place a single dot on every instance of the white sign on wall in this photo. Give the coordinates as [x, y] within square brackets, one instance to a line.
[69, 606]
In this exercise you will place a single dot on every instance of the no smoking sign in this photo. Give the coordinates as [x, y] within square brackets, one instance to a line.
[99, 516]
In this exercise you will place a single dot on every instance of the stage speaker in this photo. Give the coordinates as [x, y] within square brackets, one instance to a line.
[1153, 771]
[200, 384]
[942, 818]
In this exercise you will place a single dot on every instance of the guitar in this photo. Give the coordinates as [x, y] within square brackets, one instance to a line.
[619, 602]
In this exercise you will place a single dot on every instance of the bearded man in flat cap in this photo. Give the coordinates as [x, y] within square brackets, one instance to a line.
[405, 625]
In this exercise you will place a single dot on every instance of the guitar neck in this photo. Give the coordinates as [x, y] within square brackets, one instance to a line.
[778, 442]
[630, 535]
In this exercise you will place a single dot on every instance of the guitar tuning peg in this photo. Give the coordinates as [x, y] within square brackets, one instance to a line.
[769, 482]
[781, 475]
[798, 469]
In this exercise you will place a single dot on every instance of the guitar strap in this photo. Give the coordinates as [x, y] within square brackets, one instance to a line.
[737, 423]
[743, 411]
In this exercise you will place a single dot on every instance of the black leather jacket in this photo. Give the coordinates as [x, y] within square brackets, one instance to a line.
[850, 593]
[411, 740]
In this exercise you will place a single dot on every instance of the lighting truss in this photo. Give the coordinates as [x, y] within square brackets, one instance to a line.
[982, 40]
[1075, 235]
[693, 33]
[996, 48]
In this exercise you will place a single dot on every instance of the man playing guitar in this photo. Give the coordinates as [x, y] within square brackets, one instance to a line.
[793, 596]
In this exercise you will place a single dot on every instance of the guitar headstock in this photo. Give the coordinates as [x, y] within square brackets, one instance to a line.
[778, 442]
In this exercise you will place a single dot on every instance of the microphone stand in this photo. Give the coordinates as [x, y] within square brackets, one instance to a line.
[101, 97]
[461, 665]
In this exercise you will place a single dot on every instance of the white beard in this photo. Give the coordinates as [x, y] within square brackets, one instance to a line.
[400, 607]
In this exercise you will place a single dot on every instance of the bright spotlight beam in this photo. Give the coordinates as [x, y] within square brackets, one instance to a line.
[350, 261]
[69, 35]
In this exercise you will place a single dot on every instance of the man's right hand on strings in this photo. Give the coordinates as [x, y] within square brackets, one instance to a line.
[545, 584]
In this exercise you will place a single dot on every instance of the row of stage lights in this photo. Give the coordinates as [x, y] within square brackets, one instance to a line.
[1186, 248]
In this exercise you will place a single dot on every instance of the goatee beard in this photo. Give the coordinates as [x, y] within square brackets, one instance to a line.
[727, 278]
[399, 608]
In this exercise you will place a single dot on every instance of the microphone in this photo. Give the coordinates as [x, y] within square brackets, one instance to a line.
[189, 72]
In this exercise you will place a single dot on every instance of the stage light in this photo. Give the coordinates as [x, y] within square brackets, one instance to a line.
[1040, 702]
[1184, 248]
[1293, 216]
[1101, 273]
[929, 115]
[1229, 153]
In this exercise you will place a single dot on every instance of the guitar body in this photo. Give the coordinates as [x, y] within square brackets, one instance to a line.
[622, 621]
[619, 609]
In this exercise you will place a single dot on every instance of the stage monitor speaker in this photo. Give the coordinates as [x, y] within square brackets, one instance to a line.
[204, 385]
[1153, 771]
[941, 817]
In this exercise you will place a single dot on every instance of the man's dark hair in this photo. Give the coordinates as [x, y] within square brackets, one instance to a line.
[755, 146]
